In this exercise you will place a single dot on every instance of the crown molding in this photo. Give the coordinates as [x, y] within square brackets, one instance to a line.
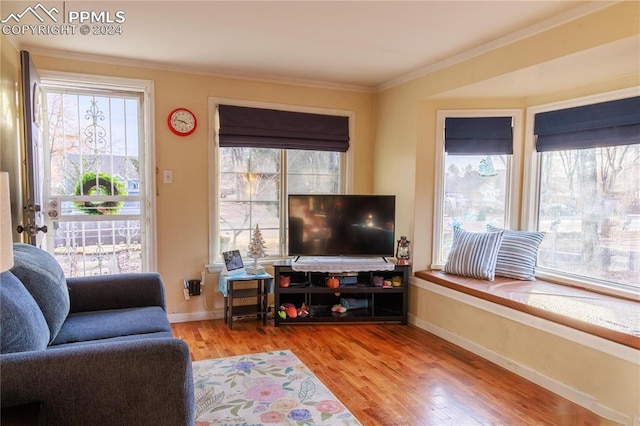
[540, 27]
[163, 66]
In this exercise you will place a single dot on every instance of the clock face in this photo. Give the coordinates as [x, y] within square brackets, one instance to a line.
[182, 122]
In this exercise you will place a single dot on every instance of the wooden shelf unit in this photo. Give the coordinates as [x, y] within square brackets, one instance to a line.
[379, 304]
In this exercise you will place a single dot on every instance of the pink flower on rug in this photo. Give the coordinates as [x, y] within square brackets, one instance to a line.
[281, 360]
[328, 406]
[266, 393]
[260, 381]
[263, 381]
[271, 417]
[285, 405]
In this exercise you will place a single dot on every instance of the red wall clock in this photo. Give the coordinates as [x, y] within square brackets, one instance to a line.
[182, 121]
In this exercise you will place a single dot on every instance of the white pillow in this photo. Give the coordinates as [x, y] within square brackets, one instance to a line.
[473, 254]
[518, 253]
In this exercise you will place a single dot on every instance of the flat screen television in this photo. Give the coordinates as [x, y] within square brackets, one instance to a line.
[341, 225]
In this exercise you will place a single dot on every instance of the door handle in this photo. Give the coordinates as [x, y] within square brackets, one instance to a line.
[31, 229]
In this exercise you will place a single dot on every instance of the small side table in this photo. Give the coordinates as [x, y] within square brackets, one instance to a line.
[264, 286]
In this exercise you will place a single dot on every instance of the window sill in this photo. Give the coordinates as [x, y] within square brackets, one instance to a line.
[608, 317]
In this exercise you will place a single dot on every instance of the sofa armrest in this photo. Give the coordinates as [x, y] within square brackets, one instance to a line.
[141, 382]
[118, 291]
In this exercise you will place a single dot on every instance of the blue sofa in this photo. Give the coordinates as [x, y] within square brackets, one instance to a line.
[89, 351]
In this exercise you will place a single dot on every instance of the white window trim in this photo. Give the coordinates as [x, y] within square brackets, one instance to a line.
[214, 126]
[531, 184]
[148, 156]
[513, 175]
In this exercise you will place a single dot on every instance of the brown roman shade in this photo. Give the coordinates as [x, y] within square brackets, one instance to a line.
[268, 128]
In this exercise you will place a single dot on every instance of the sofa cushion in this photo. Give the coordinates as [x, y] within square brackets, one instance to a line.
[129, 338]
[22, 325]
[518, 253]
[43, 277]
[473, 254]
[97, 325]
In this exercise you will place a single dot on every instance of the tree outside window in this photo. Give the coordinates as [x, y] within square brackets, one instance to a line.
[253, 184]
[590, 208]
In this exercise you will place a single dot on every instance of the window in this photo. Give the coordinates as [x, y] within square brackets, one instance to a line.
[588, 192]
[475, 188]
[252, 182]
[473, 177]
[253, 192]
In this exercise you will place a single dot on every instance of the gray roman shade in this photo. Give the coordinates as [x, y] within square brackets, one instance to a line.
[267, 128]
[591, 126]
[478, 136]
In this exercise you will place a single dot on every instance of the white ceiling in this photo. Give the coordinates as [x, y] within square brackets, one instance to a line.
[358, 44]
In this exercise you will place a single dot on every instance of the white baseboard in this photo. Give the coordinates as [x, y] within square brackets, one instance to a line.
[195, 316]
[565, 391]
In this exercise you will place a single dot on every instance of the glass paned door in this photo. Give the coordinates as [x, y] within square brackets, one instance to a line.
[94, 188]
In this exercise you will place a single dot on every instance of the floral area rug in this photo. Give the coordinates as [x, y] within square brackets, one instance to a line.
[269, 388]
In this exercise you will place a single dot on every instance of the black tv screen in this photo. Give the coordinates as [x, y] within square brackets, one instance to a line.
[341, 225]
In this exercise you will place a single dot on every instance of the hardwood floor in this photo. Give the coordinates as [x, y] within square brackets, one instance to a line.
[388, 374]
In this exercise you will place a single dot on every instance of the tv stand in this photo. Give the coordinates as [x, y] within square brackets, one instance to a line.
[366, 301]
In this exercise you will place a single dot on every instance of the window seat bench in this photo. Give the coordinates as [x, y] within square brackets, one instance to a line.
[608, 317]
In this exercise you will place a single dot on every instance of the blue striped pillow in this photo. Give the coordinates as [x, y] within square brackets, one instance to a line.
[518, 253]
[473, 254]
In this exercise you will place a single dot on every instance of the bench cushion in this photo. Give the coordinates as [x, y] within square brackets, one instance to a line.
[609, 317]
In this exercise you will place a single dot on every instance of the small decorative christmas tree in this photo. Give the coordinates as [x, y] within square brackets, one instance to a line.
[256, 251]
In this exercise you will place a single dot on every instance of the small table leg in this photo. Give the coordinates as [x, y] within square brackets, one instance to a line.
[226, 307]
[259, 301]
[264, 302]
[230, 297]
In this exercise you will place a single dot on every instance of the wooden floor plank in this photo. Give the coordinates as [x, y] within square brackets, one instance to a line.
[395, 375]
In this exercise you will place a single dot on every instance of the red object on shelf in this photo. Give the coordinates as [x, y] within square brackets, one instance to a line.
[285, 280]
[333, 282]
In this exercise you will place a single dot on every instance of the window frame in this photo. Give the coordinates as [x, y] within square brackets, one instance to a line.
[346, 167]
[513, 175]
[531, 187]
[146, 88]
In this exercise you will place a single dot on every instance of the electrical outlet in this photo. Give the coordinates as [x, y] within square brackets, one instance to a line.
[186, 294]
[167, 176]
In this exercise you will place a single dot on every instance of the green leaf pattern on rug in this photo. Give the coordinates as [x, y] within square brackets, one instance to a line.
[264, 389]
[307, 389]
[207, 400]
